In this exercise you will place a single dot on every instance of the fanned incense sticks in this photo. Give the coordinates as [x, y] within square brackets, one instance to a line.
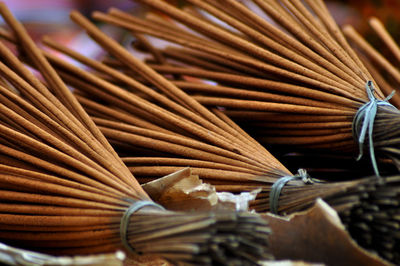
[126, 112]
[65, 191]
[174, 136]
[305, 83]
[383, 70]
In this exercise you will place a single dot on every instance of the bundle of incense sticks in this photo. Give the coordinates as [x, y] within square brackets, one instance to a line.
[158, 143]
[384, 69]
[293, 81]
[64, 190]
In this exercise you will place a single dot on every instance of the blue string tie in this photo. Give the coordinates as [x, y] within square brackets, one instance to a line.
[280, 183]
[366, 115]
[134, 207]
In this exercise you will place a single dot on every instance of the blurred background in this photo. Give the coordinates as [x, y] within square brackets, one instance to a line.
[54, 14]
[51, 17]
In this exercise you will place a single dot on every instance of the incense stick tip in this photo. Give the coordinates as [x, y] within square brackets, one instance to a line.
[76, 15]
[113, 10]
[347, 28]
[375, 21]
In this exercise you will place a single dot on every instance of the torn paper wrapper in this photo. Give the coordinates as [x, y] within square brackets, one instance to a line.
[238, 202]
[182, 191]
[146, 260]
[316, 235]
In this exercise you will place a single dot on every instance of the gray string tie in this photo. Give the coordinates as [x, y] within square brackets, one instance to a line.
[134, 207]
[280, 183]
[366, 115]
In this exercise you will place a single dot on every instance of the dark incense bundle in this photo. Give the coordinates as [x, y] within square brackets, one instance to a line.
[369, 208]
[64, 190]
[296, 82]
[374, 219]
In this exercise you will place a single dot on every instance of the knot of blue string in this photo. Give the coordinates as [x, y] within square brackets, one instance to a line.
[134, 207]
[363, 123]
[280, 183]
